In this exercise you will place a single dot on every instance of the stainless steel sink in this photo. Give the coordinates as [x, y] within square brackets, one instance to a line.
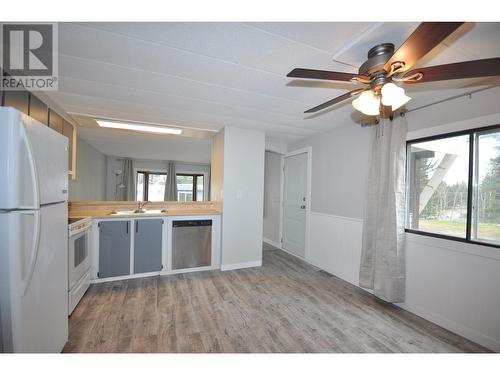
[139, 212]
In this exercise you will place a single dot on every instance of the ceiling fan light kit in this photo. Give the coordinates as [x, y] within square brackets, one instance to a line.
[367, 103]
[393, 96]
[386, 65]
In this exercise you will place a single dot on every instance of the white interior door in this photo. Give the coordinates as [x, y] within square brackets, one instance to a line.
[295, 203]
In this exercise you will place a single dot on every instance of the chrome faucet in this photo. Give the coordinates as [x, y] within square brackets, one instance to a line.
[140, 207]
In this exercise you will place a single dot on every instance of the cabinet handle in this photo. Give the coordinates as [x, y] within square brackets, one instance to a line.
[137, 227]
[127, 226]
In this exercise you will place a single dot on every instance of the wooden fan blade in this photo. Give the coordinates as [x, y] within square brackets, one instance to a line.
[338, 99]
[465, 69]
[323, 74]
[425, 37]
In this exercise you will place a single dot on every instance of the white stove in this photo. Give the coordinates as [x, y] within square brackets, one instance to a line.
[78, 260]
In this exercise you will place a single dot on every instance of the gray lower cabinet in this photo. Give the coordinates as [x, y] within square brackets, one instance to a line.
[114, 248]
[148, 245]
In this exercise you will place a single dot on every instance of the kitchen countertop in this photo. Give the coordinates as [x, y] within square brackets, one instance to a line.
[103, 209]
[107, 214]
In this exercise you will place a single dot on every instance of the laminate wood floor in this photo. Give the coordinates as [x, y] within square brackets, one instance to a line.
[286, 305]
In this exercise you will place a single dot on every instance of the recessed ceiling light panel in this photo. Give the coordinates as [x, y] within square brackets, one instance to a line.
[138, 127]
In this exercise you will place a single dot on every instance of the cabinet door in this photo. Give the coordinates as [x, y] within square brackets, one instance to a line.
[17, 99]
[38, 110]
[55, 121]
[68, 132]
[114, 248]
[147, 245]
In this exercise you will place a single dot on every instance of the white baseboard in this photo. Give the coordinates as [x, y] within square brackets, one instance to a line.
[125, 277]
[235, 266]
[278, 246]
[150, 274]
[271, 242]
[294, 255]
[189, 270]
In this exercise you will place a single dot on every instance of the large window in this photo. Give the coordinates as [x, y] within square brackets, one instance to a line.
[150, 186]
[190, 187]
[453, 184]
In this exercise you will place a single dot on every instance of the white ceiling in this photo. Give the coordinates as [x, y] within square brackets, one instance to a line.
[209, 75]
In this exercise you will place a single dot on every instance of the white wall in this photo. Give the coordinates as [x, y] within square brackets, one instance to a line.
[340, 164]
[278, 147]
[90, 183]
[242, 196]
[217, 164]
[334, 180]
[455, 285]
[272, 198]
[448, 113]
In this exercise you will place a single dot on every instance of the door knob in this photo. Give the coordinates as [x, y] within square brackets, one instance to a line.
[303, 206]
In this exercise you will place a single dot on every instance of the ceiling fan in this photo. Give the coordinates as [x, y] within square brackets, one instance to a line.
[386, 69]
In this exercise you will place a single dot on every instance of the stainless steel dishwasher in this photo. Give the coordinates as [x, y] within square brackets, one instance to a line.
[191, 243]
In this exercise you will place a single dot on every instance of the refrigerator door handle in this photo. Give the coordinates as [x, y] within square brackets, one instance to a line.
[34, 249]
[33, 171]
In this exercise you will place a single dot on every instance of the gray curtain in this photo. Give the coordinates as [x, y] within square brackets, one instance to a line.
[127, 193]
[383, 256]
[171, 184]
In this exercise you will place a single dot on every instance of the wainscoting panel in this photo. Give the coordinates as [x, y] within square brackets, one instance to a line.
[335, 245]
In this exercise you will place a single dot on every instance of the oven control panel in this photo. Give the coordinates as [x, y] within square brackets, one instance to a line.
[78, 225]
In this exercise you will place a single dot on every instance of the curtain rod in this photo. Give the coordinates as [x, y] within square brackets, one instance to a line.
[469, 94]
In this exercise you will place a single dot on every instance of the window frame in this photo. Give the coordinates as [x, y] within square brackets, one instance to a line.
[195, 183]
[470, 184]
[146, 182]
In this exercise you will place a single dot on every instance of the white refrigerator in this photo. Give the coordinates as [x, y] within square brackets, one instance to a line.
[33, 235]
